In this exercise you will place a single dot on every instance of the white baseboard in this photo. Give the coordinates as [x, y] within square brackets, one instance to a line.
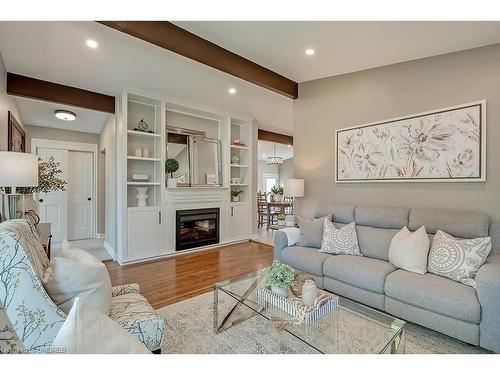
[101, 235]
[110, 250]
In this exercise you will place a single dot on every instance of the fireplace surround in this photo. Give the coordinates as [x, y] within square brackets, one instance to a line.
[196, 227]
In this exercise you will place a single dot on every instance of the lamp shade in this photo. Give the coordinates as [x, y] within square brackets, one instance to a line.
[18, 169]
[294, 187]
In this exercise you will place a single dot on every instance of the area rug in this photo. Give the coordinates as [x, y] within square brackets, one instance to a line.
[190, 331]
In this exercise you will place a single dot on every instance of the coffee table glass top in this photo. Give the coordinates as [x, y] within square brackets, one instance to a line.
[350, 328]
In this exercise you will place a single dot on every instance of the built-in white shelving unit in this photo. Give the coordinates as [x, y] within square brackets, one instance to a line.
[149, 232]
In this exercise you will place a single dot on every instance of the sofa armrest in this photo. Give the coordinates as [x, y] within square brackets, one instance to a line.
[284, 238]
[125, 289]
[488, 293]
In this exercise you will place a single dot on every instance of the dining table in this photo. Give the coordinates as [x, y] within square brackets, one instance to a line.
[281, 206]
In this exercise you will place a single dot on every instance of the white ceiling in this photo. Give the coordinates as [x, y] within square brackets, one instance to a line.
[341, 47]
[266, 149]
[40, 113]
[56, 51]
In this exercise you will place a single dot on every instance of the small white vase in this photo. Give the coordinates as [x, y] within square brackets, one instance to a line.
[142, 196]
[236, 198]
[283, 292]
[309, 293]
[171, 183]
[145, 152]
[138, 152]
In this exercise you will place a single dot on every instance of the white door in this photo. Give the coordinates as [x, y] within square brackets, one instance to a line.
[80, 195]
[146, 235]
[53, 206]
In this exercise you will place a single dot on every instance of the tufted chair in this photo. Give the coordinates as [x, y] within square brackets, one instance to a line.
[35, 317]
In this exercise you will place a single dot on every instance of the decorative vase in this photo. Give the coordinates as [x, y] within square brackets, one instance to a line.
[283, 292]
[138, 152]
[171, 183]
[236, 198]
[309, 293]
[277, 198]
[142, 196]
[235, 159]
[145, 152]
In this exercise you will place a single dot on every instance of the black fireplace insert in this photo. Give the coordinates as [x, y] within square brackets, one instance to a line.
[195, 228]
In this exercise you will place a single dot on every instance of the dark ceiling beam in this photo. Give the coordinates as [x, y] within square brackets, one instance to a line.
[174, 38]
[265, 135]
[33, 88]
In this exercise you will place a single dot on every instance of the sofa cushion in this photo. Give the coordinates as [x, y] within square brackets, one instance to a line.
[362, 272]
[342, 213]
[306, 259]
[455, 222]
[434, 293]
[382, 217]
[375, 242]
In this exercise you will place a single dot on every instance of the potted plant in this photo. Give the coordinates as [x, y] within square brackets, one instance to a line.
[171, 166]
[281, 219]
[235, 195]
[48, 181]
[277, 193]
[279, 276]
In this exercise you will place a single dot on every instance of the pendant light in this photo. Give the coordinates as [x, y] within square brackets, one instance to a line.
[274, 160]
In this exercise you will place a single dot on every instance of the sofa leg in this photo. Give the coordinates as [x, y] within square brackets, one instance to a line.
[157, 351]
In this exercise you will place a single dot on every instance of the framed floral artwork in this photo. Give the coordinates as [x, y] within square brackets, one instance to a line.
[444, 145]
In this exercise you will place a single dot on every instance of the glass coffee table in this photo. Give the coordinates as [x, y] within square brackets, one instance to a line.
[349, 328]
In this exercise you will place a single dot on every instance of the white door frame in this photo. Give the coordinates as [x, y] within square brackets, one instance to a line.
[75, 146]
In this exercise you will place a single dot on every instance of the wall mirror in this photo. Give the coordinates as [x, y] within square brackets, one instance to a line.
[199, 157]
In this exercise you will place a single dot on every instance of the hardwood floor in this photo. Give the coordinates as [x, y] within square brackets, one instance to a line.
[170, 280]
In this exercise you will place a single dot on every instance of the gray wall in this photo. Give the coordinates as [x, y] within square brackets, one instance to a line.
[107, 149]
[7, 103]
[387, 92]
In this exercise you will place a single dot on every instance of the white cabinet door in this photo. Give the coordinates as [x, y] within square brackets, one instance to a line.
[239, 222]
[146, 237]
[80, 195]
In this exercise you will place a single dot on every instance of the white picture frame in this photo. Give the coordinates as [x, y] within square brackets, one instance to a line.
[476, 172]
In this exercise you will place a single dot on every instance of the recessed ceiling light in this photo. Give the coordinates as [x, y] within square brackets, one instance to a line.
[309, 51]
[232, 90]
[92, 43]
[65, 115]
[288, 145]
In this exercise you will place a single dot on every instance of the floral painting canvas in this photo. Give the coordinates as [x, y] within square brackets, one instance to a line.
[441, 145]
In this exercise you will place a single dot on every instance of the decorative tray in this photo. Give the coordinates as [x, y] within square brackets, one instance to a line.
[296, 308]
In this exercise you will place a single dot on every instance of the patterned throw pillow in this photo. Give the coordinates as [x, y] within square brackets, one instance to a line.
[456, 259]
[343, 241]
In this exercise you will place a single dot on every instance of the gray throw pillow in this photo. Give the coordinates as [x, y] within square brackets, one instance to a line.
[311, 232]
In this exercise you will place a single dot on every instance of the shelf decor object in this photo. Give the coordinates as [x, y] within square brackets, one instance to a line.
[142, 196]
[142, 126]
[443, 145]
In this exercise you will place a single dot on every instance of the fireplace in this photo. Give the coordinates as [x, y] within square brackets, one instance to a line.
[195, 228]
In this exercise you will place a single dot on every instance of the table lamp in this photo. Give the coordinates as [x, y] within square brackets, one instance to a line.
[18, 169]
[294, 187]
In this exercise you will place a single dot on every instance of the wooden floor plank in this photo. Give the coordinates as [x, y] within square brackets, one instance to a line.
[174, 279]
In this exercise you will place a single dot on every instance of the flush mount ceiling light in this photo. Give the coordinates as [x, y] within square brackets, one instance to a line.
[232, 90]
[274, 160]
[92, 43]
[309, 51]
[65, 115]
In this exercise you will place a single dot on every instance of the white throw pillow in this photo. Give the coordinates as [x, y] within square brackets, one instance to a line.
[87, 331]
[76, 273]
[409, 250]
[457, 259]
[343, 241]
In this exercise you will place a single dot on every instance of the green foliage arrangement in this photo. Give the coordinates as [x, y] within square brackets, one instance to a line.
[281, 217]
[171, 166]
[277, 190]
[48, 179]
[279, 275]
[236, 192]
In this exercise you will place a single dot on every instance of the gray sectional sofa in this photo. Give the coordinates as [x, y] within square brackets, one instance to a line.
[466, 313]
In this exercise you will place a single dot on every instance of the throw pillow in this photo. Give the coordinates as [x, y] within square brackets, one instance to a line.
[87, 331]
[311, 232]
[457, 259]
[343, 241]
[76, 273]
[409, 250]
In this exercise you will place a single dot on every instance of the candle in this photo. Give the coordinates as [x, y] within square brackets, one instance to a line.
[309, 292]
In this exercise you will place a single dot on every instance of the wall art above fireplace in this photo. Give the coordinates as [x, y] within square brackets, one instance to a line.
[444, 145]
